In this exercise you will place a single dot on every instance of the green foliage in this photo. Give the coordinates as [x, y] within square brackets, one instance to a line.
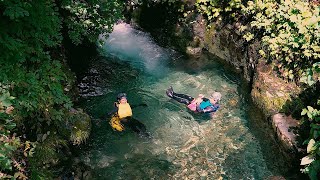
[289, 30]
[312, 160]
[217, 9]
[91, 18]
[30, 63]
[311, 75]
[80, 125]
[291, 38]
[46, 152]
[141, 2]
[30, 27]
[290, 34]
[13, 151]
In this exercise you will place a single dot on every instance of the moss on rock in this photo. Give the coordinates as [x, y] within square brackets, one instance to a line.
[270, 92]
[80, 125]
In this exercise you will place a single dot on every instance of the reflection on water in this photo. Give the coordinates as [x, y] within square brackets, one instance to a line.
[184, 145]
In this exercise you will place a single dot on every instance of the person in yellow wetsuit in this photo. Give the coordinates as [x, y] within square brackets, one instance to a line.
[122, 116]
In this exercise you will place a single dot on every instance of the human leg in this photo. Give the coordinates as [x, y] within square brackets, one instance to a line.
[182, 98]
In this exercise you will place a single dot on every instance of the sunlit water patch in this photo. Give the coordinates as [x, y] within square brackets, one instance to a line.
[136, 48]
[184, 145]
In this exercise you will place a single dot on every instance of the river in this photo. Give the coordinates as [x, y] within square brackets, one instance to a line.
[233, 144]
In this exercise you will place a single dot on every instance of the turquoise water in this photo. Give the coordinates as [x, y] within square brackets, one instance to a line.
[184, 145]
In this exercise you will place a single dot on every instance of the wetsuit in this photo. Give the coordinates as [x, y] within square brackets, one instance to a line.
[186, 99]
[182, 98]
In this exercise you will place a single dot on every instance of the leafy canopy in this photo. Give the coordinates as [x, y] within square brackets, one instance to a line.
[33, 70]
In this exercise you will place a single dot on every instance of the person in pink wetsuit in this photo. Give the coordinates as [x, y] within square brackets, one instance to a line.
[200, 104]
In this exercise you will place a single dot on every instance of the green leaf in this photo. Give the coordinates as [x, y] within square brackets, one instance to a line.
[304, 112]
[303, 79]
[310, 145]
[311, 109]
[10, 125]
[310, 80]
[6, 103]
[315, 126]
[5, 163]
[307, 160]
[314, 169]
[316, 134]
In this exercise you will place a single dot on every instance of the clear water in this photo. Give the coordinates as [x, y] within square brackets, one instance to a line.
[184, 145]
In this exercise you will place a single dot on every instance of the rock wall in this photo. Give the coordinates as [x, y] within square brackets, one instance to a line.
[272, 94]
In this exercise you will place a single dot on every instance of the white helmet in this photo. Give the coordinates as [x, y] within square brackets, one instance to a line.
[216, 96]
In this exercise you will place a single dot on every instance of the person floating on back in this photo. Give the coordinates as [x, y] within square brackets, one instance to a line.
[200, 104]
[122, 117]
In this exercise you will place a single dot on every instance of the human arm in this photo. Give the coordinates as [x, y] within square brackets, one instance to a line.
[114, 110]
[138, 105]
[211, 109]
[199, 99]
[110, 113]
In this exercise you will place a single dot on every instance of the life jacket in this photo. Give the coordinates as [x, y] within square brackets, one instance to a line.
[204, 104]
[124, 110]
[116, 123]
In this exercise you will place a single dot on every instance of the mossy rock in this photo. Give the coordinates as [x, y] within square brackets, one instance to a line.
[80, 125]
[271, 93]
[270, 103]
